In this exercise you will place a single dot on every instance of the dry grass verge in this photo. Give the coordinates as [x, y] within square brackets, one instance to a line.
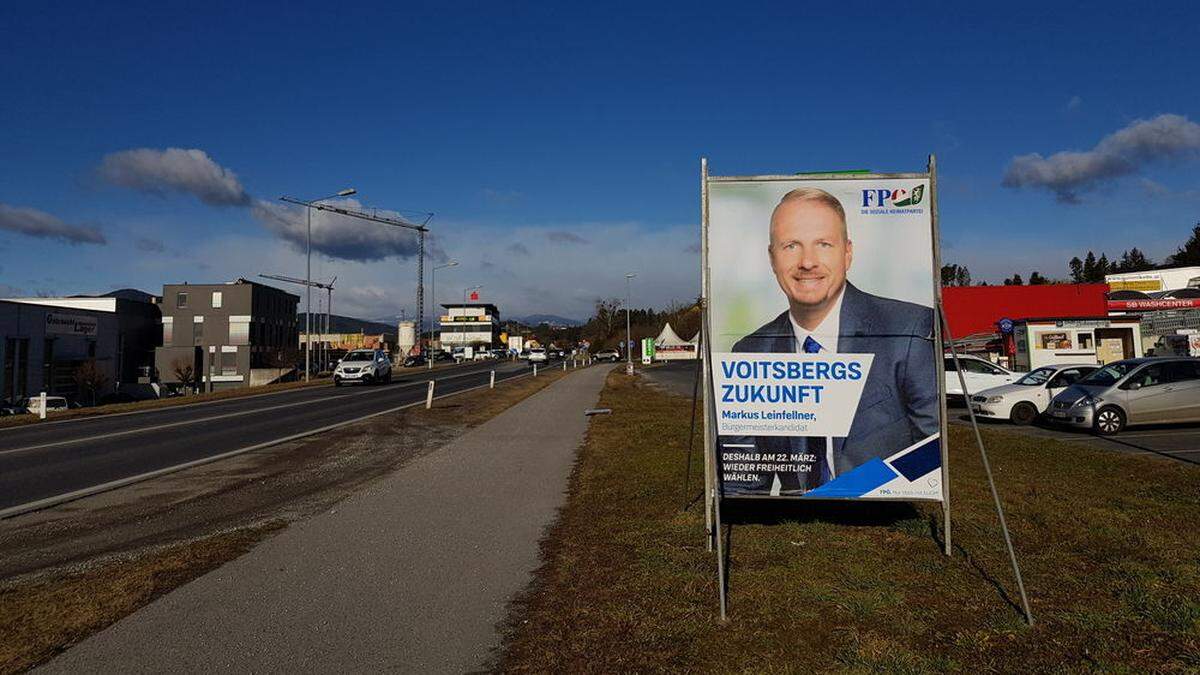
[38, 620]
[107, 560]
[1106, 542]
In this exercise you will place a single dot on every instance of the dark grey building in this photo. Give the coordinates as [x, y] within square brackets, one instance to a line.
[42, 347]
[236, 334]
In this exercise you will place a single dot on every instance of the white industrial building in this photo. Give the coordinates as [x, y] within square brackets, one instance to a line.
[470, 324]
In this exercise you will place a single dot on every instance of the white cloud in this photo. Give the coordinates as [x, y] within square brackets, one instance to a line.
[549, 279]
[34, 223]
[342, 237]
[174, 170]
[1122, 153]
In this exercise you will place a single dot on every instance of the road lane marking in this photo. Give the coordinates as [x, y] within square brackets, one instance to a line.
[122, 482]
[242, 413]
[235, 399]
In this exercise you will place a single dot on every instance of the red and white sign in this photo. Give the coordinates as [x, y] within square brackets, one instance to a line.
[474, 295]
[1177, 303]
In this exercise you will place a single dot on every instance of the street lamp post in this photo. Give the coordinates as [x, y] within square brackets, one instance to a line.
[308, 207]
[628, 335]
[433, 293]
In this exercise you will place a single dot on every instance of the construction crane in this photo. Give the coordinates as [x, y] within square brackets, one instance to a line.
[328, 305]
[394, 222]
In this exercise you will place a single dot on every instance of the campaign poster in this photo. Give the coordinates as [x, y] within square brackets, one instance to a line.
[824, 360]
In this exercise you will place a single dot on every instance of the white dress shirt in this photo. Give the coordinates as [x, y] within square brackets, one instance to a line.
[826, 335]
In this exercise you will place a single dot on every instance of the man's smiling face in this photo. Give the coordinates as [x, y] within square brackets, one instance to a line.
[809, 253]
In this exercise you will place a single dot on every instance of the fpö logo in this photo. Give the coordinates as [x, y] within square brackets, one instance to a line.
[887, 199]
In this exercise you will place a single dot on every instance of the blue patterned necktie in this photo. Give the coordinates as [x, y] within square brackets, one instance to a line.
[811, 346]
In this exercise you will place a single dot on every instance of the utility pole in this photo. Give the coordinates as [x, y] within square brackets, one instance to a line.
[421, 230]
[309, 206]
[310, 285]
[628, 335]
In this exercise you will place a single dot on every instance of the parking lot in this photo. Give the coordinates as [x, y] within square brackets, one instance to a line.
[1180, 442]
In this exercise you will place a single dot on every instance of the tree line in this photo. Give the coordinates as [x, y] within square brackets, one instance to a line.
[1089, 269]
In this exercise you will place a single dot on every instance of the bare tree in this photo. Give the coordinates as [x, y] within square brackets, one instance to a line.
[88, 376]
[185, 371]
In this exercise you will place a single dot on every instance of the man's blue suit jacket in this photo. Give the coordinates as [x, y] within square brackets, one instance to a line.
[899, 404]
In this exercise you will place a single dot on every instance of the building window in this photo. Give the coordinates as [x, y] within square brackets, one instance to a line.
[168, 325]
[228, 362]
[1085, 340]
[198, 330]
[216, 299]
[239, 330]
[181, 301]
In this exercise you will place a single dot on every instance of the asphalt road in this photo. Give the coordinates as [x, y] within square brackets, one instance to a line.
[1180, 442]
[46, 460]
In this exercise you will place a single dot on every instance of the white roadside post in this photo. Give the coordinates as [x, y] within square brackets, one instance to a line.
[535, 370]
[429, 396]
[42, 405]
[492, 381]
[564, 365]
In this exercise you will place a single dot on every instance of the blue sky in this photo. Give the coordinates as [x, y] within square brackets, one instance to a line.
[559, 143]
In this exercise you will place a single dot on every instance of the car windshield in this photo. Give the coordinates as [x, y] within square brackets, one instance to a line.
[1107, 375]
[1036, 377]
[360, 355]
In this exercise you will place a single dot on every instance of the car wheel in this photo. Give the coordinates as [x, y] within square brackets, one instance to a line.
[387, 379]
[337, 381]
[368, 380]
[1109, 421]
[1023, 413]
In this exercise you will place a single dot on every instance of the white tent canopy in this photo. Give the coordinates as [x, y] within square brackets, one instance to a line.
[669, 346]
[668, 338]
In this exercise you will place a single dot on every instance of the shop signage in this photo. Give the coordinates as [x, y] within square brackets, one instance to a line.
[1174, 303]
[71, 324]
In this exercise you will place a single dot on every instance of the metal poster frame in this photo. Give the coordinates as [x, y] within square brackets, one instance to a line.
[712, 489]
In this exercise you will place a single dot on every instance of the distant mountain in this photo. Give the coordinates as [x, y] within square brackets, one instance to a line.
[346, 324]
[552, 319]
[130, 294]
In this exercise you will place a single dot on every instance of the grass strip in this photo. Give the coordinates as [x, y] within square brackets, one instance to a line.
[1106, 542]
[44, 613]
[42, 618]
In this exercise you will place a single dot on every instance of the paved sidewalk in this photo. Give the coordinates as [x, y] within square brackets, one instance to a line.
[412, 574]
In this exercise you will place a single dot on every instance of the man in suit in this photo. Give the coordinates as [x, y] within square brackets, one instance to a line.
[810, 252]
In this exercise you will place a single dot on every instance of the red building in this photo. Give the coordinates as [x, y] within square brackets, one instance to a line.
[974, 310]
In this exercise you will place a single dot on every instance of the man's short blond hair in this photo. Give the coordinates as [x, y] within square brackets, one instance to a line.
[812, 194]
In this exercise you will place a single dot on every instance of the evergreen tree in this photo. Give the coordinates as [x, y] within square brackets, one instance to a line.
[1089, 268]
[1076, 266]
[1138, 262]
[1189, 253]
[1036, 279]
[1101, 268]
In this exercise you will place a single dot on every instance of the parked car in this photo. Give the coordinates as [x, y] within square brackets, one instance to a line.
[441, 355]
[368, 366]
[9, 408]
[608, 355]
[979, 373]
[1022, 401]
[33, 404]
[1131, 391]
[414, 361]
[537, 355]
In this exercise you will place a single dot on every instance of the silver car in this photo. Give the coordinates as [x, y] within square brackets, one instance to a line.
[1132, 391]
